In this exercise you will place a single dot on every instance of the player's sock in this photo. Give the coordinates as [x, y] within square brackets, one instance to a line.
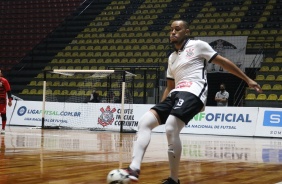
[147, 122]
[173, 127]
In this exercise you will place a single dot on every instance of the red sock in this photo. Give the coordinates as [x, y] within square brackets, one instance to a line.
[3, 125]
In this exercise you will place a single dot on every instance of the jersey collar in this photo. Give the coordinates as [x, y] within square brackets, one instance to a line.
[183, 46]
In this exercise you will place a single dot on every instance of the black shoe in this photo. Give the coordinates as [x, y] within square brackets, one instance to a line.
[170, 181]
[133, 174]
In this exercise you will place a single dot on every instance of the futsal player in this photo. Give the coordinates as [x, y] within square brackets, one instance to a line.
[184, 97]
[5, 90]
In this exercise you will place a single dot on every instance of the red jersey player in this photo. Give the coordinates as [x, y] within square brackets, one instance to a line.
[5, 90]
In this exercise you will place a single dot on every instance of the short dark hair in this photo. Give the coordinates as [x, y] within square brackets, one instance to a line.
[185, 23]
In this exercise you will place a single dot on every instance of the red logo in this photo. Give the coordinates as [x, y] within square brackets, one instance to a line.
[107, 116]
[184, 84]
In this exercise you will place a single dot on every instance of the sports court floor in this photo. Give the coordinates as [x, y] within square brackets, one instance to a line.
[35, 156]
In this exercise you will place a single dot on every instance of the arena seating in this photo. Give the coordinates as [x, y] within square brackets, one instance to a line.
[25, 23]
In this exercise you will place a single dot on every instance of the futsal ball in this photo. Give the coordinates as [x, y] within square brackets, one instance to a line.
[118, 176]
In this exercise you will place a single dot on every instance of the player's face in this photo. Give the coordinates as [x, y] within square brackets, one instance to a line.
[178, 32]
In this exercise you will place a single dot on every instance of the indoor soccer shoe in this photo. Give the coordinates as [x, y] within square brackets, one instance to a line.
[170, 181]
[133, 174]
[2, 131]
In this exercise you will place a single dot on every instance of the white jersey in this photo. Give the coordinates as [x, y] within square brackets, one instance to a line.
[187, 68]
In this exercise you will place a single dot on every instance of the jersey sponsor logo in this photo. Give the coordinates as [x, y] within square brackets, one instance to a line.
[272, 118]
[184, 84]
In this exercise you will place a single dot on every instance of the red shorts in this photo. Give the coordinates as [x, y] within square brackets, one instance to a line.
[3, 108]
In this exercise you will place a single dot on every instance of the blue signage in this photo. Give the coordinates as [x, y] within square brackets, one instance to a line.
[272, 118]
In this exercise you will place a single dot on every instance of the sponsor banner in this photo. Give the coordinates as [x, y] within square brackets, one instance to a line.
[67, 114]
[231, 47]
[269, 122]
[78, 115]
[241, 121]
[222, 121]
[27, 113]
[109, 116]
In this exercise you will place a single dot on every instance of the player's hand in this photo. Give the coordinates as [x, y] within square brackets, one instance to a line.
[10, 104]
[255, 85]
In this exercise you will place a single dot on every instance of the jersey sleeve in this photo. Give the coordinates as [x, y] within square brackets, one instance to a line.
[206, 51]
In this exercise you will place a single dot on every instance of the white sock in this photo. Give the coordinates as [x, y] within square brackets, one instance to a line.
[173, 127]
[147, 122]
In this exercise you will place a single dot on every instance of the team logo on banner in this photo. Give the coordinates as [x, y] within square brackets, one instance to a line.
[107, 116]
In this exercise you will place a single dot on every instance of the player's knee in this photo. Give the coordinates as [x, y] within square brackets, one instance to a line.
[170, 130]
[147, 121]
[4, 117]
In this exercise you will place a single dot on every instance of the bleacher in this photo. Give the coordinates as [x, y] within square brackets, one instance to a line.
[25, 23]
[99, 34]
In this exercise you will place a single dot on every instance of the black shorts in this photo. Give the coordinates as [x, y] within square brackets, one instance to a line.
[181, 104]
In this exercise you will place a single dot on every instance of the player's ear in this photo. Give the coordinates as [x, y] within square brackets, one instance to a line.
[187, 32]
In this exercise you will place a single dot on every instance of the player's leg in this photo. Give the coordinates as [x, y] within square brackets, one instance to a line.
[147, 122]
[157, 115]
[173, 127]
[4, 117]
[187, 105]
[4, 120]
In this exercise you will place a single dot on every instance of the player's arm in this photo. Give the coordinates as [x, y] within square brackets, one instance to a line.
[169, 86]
[9, 98]
[232, 68]
[8, 91]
